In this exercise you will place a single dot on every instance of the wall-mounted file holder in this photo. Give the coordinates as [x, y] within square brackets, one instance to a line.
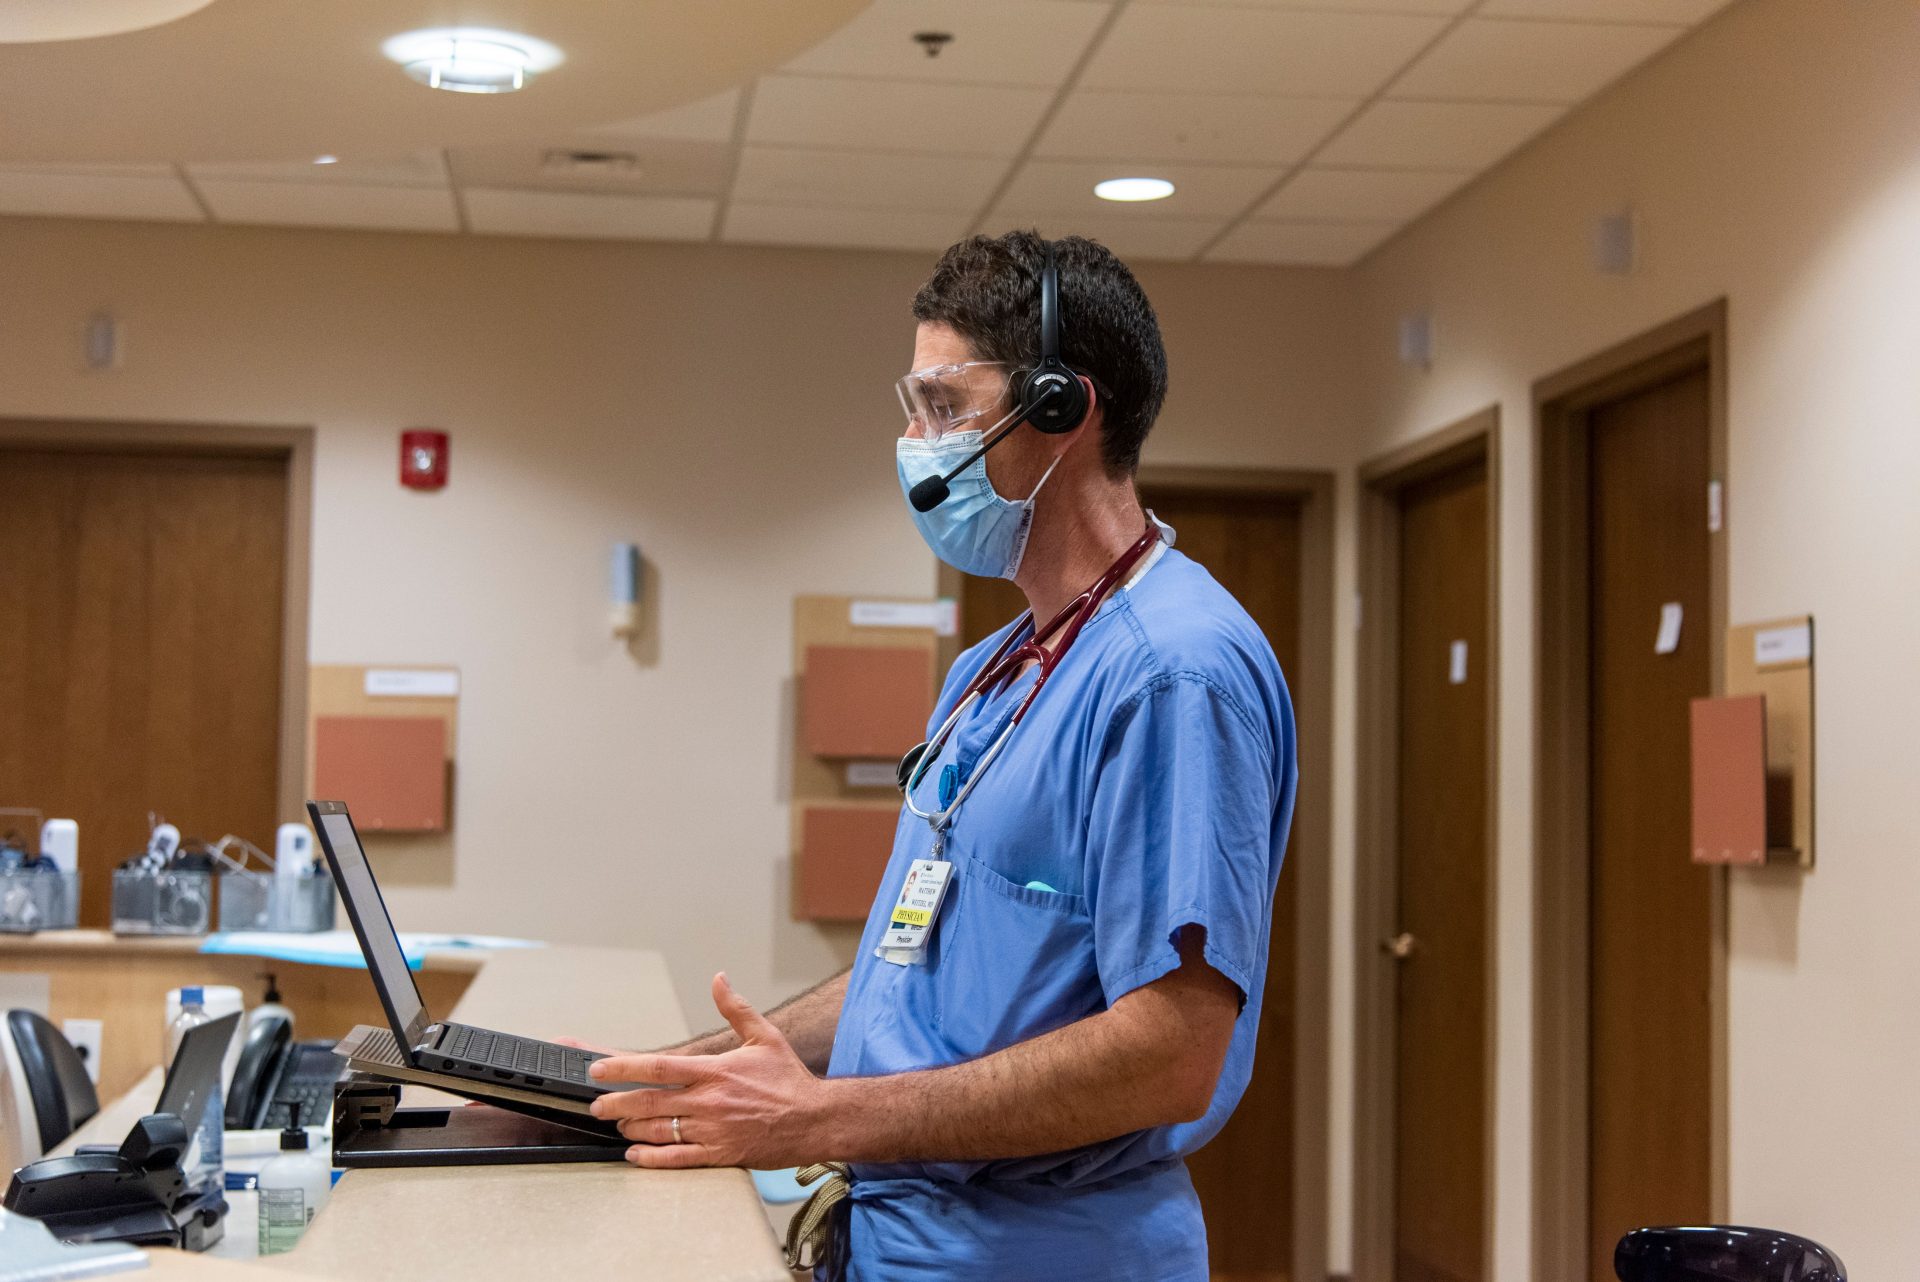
[864, 682]
[1753, 798]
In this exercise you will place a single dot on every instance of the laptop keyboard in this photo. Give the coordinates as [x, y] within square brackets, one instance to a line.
[520, 1054]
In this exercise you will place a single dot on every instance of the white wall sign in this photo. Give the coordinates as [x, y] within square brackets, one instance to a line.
[942, 618]
[872, 774]
[1667, 640]
[412, 683]
[1791, 644]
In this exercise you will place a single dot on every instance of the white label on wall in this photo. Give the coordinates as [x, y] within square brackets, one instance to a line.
[942, 618]
[412, 683]
[1715, 511]
[872, 774]
[1791, 644]
[1668, 638]
[1457, 663]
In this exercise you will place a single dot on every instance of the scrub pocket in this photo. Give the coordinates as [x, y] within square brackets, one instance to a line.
[1012, 962]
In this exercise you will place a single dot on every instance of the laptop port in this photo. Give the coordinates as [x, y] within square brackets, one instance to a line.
[536, 1081]
[504, 1075]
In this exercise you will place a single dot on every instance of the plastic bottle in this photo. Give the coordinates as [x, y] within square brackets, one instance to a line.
[292, 1187]
[203, 1160]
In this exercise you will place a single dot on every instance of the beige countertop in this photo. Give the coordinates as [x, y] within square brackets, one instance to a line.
[479, 1222]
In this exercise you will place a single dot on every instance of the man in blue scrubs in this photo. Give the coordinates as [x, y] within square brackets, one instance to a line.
[1015, 1096]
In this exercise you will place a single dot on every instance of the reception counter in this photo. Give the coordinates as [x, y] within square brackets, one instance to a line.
[467, 1223]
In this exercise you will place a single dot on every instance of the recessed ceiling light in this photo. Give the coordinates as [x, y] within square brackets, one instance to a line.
[326, 160]
[1133, 189]
[471, 59]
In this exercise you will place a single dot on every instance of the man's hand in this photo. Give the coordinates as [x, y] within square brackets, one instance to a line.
[758, 1105]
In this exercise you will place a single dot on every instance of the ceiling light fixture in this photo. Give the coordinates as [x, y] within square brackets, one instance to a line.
[471, 59]
[326, 160]
[1133, 189]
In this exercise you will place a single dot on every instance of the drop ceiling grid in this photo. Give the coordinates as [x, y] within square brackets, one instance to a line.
[1295, 131]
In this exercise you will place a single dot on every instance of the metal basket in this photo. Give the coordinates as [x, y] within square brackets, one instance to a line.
[162, 903]
[262, 901]
[39, 897]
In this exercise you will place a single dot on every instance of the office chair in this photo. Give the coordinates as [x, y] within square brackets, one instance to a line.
[1723, 1253]
[52, 1095]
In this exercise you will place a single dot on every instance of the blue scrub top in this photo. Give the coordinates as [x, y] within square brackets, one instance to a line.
[1151, 787]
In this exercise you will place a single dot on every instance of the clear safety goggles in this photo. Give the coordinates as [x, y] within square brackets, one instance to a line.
[953, 398]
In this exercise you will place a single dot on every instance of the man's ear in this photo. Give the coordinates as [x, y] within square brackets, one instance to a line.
[1089, 425]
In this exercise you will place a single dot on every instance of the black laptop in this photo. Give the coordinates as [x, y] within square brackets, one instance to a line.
[458, 1050]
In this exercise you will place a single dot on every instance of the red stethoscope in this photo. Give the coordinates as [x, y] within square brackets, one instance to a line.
[1023, 645]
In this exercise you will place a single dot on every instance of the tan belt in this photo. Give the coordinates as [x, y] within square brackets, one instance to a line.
[816, 1236]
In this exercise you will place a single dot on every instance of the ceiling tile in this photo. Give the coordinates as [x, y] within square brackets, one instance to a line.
[870, 180]
[1209, 127]
[1129, 236]
[1200, 191]
[661, 167]
[931, 230]
[1443, 7]
[1319, 244]
[893, 115]
[145, 192]
[322, 204]
[1009, 42]
[422, 169]
[1360, 195]
[1493, 60]
[1437, 135]
[1301, 53]
[504, 212]
[1679, 12]
[707, 120]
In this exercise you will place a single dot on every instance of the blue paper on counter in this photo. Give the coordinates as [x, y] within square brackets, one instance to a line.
[340, 948]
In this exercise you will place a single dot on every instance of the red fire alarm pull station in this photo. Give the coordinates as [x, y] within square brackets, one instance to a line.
[423, 459]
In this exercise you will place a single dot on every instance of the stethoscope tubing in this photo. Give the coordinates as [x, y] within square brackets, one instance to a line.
[1022, 646]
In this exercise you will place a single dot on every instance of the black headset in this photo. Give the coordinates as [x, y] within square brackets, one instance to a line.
[1054, 398]
[1048, 394]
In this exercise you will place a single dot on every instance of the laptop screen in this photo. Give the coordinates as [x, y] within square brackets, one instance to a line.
[368, 912]
[195, 1069]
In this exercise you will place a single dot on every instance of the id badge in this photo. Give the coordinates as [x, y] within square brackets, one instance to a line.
[905, 942]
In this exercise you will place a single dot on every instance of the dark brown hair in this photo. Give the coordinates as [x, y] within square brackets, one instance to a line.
[987, 289]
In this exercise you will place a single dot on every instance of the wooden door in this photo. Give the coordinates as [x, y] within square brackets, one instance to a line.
[141, 596]
[1440, 1067]
[1650, 908]
[1252, 545]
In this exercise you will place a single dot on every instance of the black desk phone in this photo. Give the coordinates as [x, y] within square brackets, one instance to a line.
[275, 1073]
[138, 1192]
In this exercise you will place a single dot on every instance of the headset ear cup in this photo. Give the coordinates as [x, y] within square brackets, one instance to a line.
[1066, 410]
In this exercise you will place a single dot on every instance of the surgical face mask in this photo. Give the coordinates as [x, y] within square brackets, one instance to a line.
[975, 530]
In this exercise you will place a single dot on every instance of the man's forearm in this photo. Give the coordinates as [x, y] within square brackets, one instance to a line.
[1151, 1060]
[807, 1021]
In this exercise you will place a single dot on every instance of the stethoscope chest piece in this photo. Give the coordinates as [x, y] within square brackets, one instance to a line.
[903, 774]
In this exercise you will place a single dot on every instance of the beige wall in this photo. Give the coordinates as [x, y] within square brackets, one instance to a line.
[729, 409]
[1774, 159]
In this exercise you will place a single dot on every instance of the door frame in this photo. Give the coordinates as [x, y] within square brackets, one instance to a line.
[1313, 493]
[1383, 480]
[1562, 857]
[292, 445]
